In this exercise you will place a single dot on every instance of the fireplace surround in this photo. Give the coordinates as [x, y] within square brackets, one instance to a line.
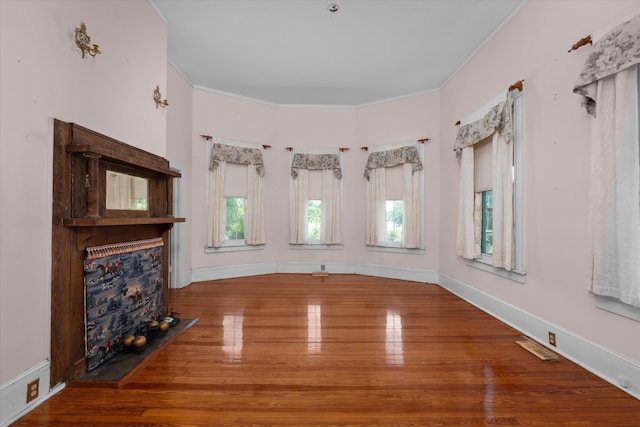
[81, 219]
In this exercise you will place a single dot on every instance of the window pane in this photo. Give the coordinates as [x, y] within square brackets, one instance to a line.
[487, 223]
[235, 218]
[314, 215]
[394, 210]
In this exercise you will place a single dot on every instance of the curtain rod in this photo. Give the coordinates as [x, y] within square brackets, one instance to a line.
[582, 42]
[209, 138]
[516, 85]
[341, 149]
[421, 141]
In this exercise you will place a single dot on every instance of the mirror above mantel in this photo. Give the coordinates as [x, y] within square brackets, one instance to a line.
[126, 192]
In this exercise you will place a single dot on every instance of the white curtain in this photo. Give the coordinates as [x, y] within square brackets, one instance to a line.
[254, 231]
[614, 205]
[378, 163]
[330, 226]
[609, 84]
[235, 153]
[466, 240]
[298, 208]
[494, 120]
[328, 165]
[411, 200]
[376, 216]
[217, 206]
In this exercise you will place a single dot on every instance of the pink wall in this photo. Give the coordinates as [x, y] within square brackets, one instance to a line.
[406, 119]
[533, 46]
[42, 77]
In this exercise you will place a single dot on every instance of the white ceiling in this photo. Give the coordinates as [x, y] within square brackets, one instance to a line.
[298, 52]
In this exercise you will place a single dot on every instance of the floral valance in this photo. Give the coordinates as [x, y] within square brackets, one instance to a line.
[394, 157]
[239, 155]
[615, 51]
[498, 119]
[316, 162]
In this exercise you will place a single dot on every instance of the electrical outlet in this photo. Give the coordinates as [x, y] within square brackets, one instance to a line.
[552, 339]
[33, 390]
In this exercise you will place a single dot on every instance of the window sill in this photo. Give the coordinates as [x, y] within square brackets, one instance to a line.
[485, 265]
[612, 305]
[396, 249]
[236, 248]
[312, 246]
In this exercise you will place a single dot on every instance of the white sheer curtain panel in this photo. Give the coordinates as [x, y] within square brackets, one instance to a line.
[254, 231]
[298, 208]
[376, 210]
[217, 206]
[411, 199]
[467, 241]
[610, 90]
[330, 224]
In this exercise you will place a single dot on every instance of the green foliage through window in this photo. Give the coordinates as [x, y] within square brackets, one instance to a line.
[395, 212]
[314, 216]
[235, 218]
[487, 223]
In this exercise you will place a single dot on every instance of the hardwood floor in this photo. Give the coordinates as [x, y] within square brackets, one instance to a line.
[345, 350]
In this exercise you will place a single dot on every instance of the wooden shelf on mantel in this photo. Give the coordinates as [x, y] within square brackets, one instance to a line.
[108, 222]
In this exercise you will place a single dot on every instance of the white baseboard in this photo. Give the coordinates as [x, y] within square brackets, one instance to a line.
[13, 393]
[613, 368]
[390, 272]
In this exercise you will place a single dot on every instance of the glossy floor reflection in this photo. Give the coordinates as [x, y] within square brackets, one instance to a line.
[296, 350]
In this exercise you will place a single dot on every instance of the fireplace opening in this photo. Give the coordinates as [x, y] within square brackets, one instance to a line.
[124, 294]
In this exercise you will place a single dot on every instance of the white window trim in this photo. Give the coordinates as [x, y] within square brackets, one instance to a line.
[484, 263]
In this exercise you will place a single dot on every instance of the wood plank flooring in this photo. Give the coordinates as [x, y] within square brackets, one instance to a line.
[343, 350]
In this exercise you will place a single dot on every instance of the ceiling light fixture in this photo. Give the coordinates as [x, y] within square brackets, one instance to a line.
[333, 7]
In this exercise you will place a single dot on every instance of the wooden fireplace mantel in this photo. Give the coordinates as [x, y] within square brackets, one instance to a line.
[81, 219]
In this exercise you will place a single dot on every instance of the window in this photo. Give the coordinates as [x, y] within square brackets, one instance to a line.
[394, 197]
[314, 219]
[486, 234]
[316, 198]
[394, 210]
[490, 148]
[234, 226]
[236, 212]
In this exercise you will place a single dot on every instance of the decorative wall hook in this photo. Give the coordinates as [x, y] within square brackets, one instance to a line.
[83, 41]
[157, 98]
